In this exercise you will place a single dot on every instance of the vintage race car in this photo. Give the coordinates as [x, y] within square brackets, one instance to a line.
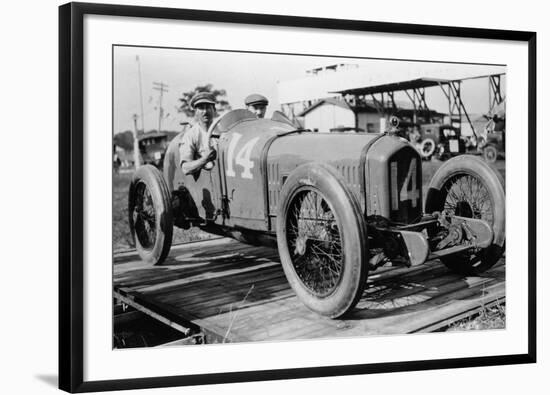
[336, 205]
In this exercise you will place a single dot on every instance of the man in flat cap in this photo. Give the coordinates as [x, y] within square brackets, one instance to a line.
[195, 147]
[257, 104]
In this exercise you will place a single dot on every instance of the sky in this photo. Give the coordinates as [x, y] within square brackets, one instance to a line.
[239, 74]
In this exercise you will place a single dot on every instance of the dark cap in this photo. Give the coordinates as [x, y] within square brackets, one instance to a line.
[255, 99]
[202, 97]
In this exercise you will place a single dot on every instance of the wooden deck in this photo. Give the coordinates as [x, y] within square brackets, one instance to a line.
[235, 292]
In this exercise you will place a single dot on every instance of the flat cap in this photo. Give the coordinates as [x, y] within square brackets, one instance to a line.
[202, 97]
[255, 99]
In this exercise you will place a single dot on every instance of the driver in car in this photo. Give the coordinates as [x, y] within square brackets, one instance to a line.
[196, 148]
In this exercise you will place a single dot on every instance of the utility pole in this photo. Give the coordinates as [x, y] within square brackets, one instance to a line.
[136, 144]
[161, 87]
[140, 94]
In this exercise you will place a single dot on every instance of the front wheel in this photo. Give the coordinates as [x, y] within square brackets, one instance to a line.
[150, 214]
[466, 186]
[321, 236]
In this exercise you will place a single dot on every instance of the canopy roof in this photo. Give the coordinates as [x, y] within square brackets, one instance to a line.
[379, 76]
[395, 86]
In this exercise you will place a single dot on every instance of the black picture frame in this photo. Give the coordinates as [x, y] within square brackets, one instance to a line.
[71, 195]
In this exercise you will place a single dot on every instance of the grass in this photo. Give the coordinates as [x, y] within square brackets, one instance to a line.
[492, 317]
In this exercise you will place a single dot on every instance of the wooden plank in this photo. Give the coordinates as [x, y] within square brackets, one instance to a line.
[237, 292]
[241, 321]
[202, 287]
[210, 312]
[259, 316]
[229, 294]
[162, 318]
[168, 315]
[155, 274]
[414, 317]
[127, 255]
[182, 277]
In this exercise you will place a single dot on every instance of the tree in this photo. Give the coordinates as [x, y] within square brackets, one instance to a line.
[219, 94]
[124, 140]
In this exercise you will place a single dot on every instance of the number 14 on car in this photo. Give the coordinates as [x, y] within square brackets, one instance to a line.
[242, 158]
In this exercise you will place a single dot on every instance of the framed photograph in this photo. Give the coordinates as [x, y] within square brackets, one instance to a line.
[250, 197]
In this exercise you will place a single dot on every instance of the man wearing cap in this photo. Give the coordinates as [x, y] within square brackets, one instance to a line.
[195, 147]
[257, 104]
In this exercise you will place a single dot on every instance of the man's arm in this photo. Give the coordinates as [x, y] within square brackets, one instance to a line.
[193, 166]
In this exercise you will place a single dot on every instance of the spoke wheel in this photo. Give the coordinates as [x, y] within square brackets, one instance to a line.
[322, 241]
[315, 242]
[144, 217]
[467, 196]
[466, 186]
[150, 214]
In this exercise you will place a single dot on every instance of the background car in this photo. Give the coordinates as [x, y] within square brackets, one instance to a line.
[152, 147]
[450, 142]
[493, 144]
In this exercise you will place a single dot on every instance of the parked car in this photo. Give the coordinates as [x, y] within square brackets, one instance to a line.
[424, 137]
[493, 143]
[152, 147]
[336, 205]
[450, 142]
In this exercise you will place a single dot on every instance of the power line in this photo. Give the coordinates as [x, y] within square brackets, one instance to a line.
[161, 87]
[136, 143]
[140, 93]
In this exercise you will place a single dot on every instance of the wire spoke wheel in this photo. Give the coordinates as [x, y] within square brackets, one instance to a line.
[466, 186]
[467, 196]
[144, 216]
[150, 214]
[315, 242]
[322, 240]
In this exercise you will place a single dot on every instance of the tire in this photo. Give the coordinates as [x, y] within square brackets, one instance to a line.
[322, 240]
[150, 215]
[469, 187]
[427, 148]
[490, 154]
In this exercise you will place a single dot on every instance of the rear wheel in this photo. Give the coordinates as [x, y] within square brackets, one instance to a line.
[490, 154]
[321, 236]
[150, 214]
[466, 186]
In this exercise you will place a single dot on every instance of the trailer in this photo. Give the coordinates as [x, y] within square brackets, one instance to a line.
[222, 291]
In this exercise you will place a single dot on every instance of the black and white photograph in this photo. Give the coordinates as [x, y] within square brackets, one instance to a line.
[261, 196]
[258, 197]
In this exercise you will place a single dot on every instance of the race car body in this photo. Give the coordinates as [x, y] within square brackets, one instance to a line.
[256, 157]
